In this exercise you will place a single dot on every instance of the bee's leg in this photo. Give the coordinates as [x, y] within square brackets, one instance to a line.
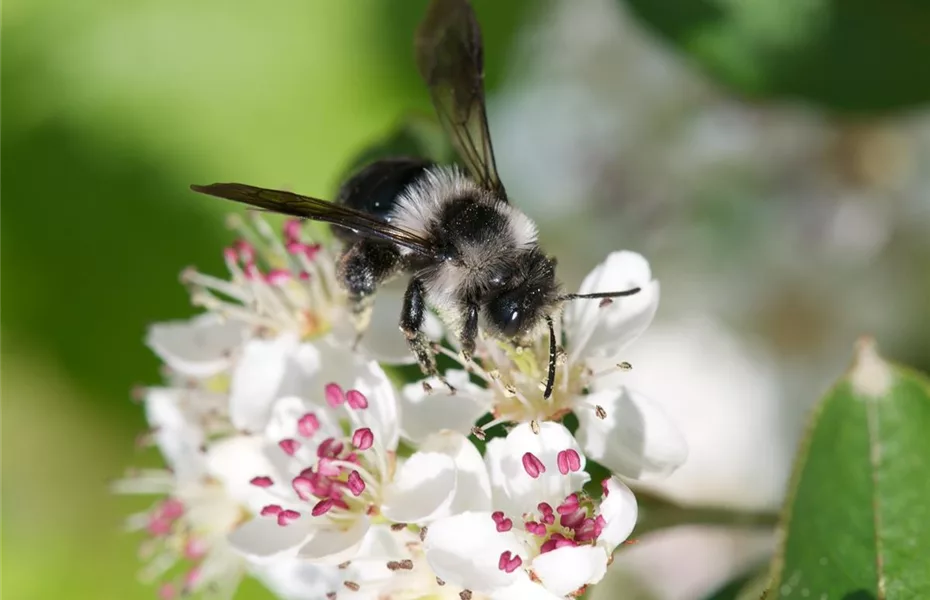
[411, 324]
[363, 267]
[469, 331]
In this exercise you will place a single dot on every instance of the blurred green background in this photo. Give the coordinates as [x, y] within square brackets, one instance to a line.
[111, 109]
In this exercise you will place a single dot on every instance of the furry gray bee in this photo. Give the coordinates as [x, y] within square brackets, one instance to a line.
[471, 254]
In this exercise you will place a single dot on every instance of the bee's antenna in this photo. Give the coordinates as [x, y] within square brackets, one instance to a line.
[550, 379]
[629, 292]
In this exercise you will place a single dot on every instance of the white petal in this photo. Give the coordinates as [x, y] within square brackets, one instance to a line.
[177, 437]
[465, 549]
[300, 579]
[593, 329]
[525, 589]
[636, 439]
[423, 413]
[472, 485]
[334, 545]
[200, 347]
[262, 539]
[525, 492]
[352, 370]
[258, 379]
[564, 570]
[422, 489]
[496, 455]
[234, 461]
[287, 411]
[619, 509]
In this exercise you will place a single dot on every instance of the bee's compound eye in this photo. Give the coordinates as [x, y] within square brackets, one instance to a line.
[506, 314]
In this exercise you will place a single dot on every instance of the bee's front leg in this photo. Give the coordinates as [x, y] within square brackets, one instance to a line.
[469, 332]
[411, 324]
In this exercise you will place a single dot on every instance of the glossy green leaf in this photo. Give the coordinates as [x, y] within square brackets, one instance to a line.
[846, 55]
[857, 521]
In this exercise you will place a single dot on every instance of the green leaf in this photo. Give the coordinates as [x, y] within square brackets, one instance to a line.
[750, 585]
[857, 519]
[845, 55]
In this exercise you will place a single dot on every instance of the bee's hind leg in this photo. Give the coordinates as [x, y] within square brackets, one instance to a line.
[411, 324]
[363, 267]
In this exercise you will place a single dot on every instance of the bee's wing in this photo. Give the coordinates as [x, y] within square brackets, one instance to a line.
[450, 59]
[315, 209]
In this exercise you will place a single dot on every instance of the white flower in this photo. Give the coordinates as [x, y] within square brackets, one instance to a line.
[189, 525]
[325, 468]
[546, 538]
[390, 564]
[284, 284]
[618, 426]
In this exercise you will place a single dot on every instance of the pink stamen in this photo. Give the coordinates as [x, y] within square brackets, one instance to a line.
[308, 425]
[262, 481]
[194, 549]
[171, 509]
[311, 250]
[289, 446]
[535, 528]
[246, 251]
[159, 526]
[322, 507]
[363, 438]
[548, 517]
[303, 487]
[508, 562]
[587, 531]
[330, 447]
[504, 525]
[497, 516]
[230, 255]
[191, 578]
[604, 487]
[167, 591]
[295, 247]
[532, 465]
[356, 483]
[572, 520]
[287, 516]
[556, 541]
[335, 397]
[356, 399]
[304, 276]
[328, 468]
[568, 461]
[278, 276]
[291, 230]
[569, 505]
[271, 510]
[599, 524]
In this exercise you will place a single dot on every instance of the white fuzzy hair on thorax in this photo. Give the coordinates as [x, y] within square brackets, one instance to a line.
[422, 202]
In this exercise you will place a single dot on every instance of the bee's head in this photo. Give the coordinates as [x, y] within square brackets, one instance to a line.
[525, 298]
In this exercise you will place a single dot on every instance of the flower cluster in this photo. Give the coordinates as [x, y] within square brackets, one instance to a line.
[291, 455]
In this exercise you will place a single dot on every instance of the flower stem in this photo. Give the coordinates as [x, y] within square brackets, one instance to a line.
[657, 513]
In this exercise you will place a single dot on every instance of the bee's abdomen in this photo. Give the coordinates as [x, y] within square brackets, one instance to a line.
[376, 187]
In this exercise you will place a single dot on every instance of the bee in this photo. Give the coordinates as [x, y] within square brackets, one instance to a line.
[472, 256]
